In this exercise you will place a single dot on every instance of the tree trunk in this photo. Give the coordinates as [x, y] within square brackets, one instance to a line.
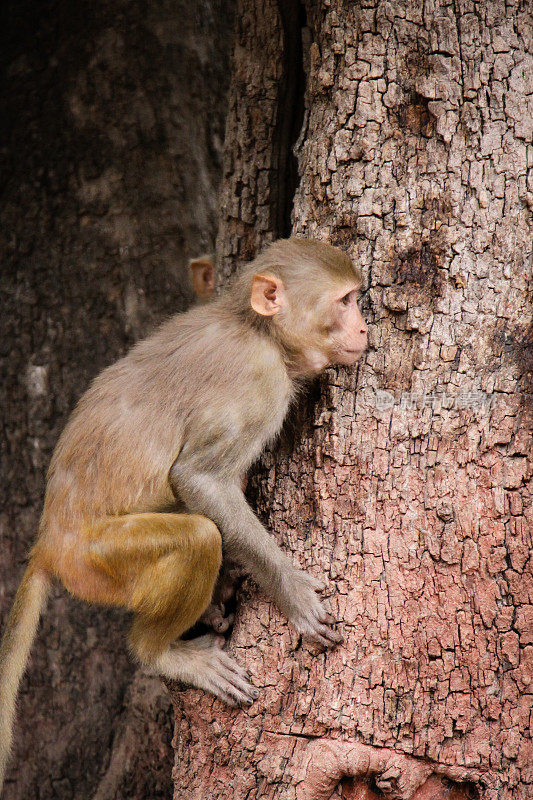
[112, 122]
[404, 482]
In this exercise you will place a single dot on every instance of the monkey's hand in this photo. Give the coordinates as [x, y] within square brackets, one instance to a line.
[226, 587]
[305, 611]
[214, 618]
[247, 542]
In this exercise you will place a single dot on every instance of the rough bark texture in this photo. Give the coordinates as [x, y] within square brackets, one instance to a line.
[112, 123]
[406, 482]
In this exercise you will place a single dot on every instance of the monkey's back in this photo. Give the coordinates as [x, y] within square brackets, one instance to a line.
[175, 389]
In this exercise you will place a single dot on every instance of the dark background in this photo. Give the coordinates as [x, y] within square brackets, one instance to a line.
[112, 124]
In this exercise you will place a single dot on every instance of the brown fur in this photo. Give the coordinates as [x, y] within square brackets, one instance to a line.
[173, 427]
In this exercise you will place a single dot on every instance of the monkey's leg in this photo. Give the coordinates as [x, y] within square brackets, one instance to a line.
[164, 567]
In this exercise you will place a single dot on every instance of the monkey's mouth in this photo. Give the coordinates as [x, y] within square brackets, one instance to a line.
[351, 355]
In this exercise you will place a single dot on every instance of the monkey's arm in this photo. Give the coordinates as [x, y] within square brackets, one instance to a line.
[248, 543]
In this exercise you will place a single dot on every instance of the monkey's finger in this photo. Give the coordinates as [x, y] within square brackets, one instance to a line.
[330, 635]
[333, 635]
[212, 617]
[221, 625]
[318, 639]
[319, 612]
[317, 584]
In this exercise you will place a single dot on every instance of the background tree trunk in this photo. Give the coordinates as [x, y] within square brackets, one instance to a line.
[112, 124]
[405, 481]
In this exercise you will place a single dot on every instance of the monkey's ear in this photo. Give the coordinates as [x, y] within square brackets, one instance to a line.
[268, 295]
[203, 276]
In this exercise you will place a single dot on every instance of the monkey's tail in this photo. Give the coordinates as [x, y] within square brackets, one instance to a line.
[14, 651]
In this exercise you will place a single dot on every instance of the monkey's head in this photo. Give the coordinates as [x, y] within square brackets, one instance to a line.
[305, 293]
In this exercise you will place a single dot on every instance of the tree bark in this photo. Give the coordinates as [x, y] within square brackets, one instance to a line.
[112, 124]
[405, 482]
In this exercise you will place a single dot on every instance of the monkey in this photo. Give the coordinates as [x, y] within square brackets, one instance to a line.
[202, 271]
[144, 489]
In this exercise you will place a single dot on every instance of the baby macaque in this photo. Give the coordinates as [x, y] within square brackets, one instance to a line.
[144, 489]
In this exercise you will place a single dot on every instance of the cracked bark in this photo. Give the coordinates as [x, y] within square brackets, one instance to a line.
[112, 125]
[406, 482]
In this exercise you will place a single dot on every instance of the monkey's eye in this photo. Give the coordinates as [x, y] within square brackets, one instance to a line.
[347, 299]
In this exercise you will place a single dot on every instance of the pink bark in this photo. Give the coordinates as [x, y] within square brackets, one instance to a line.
[407, 483]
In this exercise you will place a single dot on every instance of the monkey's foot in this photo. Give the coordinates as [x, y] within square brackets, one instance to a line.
[202, 663]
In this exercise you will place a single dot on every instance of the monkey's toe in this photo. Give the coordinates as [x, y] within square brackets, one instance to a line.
[228, 681]
[220, 674]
